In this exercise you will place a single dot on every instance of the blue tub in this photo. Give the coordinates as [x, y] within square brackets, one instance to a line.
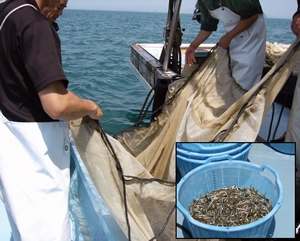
[213, 176]
[91, 218]
[192, 155]
[284, 147]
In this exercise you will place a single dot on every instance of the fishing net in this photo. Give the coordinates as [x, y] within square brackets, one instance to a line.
[135, 175]
[207, 106]
[140, 204]
[274, 52]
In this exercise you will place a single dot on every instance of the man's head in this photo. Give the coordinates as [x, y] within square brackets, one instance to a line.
[53, 13]
[47, 3]
[295, 24]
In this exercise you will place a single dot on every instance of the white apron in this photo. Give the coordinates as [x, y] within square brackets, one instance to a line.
[247, 50]
[34, 178]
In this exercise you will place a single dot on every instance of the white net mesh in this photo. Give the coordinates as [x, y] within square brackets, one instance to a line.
[209, 107]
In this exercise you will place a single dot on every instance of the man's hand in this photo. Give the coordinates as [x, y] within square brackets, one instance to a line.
[225, 41]
[190, 56]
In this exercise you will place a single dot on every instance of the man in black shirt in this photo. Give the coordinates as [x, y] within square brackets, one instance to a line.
[35, 109]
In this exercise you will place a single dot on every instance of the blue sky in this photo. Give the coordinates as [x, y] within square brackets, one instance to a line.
[272, 8]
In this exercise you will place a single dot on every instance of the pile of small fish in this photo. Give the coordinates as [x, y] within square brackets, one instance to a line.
[230, 206]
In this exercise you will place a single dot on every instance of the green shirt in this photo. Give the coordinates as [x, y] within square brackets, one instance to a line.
[244, 8]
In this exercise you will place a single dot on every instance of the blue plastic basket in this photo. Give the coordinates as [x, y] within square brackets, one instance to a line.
[214, 176]
[192, 155]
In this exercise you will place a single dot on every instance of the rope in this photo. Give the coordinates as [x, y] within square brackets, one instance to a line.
[271, 124]
[132, 178]
[165, 224]
[184, 229]
[97, 127]
[143, 111]
[188, 79]
[120, 170]
[280, 115]
[142, 117]
[106, 141]
[222, 135]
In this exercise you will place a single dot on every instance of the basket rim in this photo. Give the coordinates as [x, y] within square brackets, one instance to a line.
[201, 156]
[191, 156]
[227, 146]
[211, 159]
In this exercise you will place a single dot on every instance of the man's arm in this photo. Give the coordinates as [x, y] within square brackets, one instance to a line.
[61, 104]
[190, 52]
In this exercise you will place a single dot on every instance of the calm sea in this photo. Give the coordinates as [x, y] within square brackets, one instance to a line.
[96, 56]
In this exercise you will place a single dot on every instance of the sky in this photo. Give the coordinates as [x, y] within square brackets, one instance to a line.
[272, 8]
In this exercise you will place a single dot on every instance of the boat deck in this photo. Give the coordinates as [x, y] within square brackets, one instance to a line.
[284, 225]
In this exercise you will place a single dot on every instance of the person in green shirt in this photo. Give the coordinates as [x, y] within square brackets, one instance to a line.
[245, 36]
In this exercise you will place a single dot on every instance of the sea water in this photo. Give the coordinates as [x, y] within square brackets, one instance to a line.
[96, 56]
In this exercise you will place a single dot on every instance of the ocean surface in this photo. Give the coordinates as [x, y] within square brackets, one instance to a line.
[96, 56]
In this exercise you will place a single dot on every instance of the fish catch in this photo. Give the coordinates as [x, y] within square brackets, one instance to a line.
[230, 206]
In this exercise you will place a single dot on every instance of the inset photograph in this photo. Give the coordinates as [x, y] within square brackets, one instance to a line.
[235, 190]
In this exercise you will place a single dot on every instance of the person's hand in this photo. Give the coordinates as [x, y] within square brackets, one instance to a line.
[97, 114]
[295, 25]
[225, 41]
[190, 56]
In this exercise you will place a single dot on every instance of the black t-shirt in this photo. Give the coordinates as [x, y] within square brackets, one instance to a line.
[30, 59]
